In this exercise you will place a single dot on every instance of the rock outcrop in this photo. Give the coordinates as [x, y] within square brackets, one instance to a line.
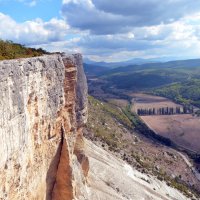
[110, 178]
[43, 106]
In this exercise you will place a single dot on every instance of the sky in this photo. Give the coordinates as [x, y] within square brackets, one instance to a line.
[105, 30]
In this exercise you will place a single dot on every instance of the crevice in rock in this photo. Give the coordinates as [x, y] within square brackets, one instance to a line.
[52, 171]
[59, 176]
[63, 189]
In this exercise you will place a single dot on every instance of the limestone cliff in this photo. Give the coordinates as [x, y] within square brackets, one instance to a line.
[43, 106]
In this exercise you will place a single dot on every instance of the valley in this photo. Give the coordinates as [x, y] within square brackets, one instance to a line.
[183, 129]
[170, 125]
[114, 131]
[166, 95]
[99, 100]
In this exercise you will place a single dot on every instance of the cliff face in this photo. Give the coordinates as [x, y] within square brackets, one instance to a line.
[43, 106]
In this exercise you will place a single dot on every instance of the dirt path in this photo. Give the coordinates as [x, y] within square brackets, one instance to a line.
[188, 162]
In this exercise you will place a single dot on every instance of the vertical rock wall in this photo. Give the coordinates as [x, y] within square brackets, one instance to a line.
[43, 107]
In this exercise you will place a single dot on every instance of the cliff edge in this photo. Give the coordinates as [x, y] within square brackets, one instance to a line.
[43, 106]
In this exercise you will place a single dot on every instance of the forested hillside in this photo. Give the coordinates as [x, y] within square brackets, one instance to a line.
[187, 92]
[10, 50]
[94, 70]
[152, 75]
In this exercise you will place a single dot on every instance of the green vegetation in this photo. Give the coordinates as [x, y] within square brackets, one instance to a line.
[187, 92]
[142, 128]
[151, 76]
[177, 80]
[112, 111]
[113, 119]
[105, 118]
[115, 129]
[10, 50]
[139, 80]
[176, 183]
[187, 109]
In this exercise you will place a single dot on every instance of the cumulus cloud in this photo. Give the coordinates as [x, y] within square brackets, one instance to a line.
[30, 3]
[114, 16]
[114, 30]
[32, 32]
[115, 42]
[178, 39]
[68, 46]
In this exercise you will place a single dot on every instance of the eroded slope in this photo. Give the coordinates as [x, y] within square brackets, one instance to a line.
[112, 130]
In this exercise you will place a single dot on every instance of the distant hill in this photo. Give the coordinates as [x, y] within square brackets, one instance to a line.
[135, 61]
[10, 50]
[164, 65]
[151, 75]
[94, 70]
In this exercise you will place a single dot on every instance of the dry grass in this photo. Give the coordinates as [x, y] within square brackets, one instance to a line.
[122, 103]
[111, 129]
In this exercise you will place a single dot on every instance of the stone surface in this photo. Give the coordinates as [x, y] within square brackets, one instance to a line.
[39, 122]
[110, 178]
[43, 106]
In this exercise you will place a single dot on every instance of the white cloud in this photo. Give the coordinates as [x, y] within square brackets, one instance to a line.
[30, 3]
[68, 46]
[180, 37]
[32, 32]
[102, 17]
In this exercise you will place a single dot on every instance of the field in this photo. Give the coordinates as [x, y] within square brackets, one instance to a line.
[182, 129]
[113, 130]
[143, 101]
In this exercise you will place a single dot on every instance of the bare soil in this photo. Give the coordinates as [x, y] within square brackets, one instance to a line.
[182, 129]
[143, 101]
[146, 155]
